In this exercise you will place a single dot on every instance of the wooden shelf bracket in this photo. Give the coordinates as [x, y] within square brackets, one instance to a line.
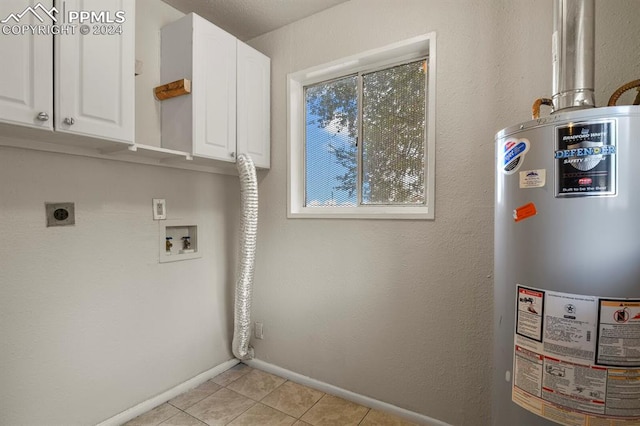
[173, 89]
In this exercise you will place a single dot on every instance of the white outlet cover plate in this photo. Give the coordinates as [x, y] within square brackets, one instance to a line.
[159, 209]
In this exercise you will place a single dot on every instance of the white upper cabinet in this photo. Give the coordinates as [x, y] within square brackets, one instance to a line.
[92, 66]
[94, 73]
[204, 122]
[254, 103]
[229, 100]
[26, 82]
[214, 68]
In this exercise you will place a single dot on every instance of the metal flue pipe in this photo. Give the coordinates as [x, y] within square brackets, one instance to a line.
[573, 54]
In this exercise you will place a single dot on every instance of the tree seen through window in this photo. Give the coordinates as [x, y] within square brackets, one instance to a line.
[391, 160]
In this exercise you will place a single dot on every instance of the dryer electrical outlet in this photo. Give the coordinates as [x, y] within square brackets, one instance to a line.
[60, 214]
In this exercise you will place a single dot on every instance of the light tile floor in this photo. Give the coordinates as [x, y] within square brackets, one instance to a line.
[243, 396]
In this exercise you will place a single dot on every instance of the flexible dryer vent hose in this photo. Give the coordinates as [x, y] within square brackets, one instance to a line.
[247, 252]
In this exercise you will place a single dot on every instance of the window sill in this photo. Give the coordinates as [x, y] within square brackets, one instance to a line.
[365, 212]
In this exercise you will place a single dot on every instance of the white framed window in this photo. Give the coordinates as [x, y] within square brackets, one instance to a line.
[361, 135]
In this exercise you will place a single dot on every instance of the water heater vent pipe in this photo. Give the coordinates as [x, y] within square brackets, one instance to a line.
[573, 54]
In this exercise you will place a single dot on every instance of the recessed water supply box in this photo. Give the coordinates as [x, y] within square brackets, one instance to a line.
[178, 240]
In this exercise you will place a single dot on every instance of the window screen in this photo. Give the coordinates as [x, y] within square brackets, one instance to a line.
[393, 129]
[385, 109]
[330, 148]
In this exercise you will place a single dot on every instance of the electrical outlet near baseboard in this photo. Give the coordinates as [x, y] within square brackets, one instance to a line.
[257, 331]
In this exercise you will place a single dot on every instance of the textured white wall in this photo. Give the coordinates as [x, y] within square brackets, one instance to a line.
[402, 310]
[617, 48]
[396, 310]
[90, 323]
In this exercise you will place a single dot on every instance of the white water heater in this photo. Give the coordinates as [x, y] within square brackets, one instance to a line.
[567, 270]
[567, 251]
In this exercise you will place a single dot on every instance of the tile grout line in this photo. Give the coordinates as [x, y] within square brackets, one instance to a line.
[177, 414]
[273, 408]
[207, 396]
[231, 390]
[299, 418]
[365, 415]
[316, 403]
[186, 408]
[325, 394]
[256, 401]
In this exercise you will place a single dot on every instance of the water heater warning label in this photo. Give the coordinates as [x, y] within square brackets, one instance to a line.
[530, 307]
[585, 159]
[577, 358]
[619, 333]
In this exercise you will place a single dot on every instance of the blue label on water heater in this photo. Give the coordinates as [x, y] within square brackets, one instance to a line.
[585, 159]
[513, 153]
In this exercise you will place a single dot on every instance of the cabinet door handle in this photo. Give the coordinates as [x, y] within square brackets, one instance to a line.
[69, 120]
[43, 116]
[233, 155]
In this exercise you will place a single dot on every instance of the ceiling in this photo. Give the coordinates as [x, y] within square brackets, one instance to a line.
[246, 19]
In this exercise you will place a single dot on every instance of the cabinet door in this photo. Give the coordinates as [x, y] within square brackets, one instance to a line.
[253, 121]
[94, 90]
[214, 91]
[26, 73]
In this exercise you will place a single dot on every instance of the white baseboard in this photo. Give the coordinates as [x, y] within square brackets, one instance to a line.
[151, 403]
[345, 394]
